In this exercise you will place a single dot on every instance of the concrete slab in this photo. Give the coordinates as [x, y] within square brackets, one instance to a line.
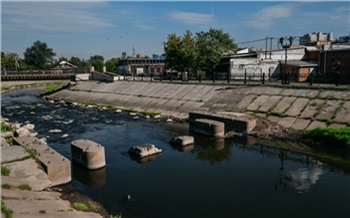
[287, 121]
[335, 94]
[329, 109]
[26, 172]
[344, 114]
[300, 124]
[13, 153]
[258, 102]
[336, 125]
[316, 124]
[274, 119]
[59, 214]
[285, 103]
[297, 107]
[265, 107]
[300, 92]
[30, 195]
[247, 100]
[312, 108]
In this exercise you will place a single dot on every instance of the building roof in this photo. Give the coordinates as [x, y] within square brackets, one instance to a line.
[302, 63]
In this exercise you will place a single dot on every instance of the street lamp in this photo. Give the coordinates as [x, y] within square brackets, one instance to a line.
[285, 76]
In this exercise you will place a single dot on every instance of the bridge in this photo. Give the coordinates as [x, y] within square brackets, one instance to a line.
[38, 75]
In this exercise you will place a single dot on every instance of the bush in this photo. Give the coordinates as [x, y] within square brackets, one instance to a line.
[334, 137]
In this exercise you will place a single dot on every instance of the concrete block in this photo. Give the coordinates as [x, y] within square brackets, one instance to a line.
[209, 127]
[144, 150]
[182, 141]
[88, 153]
[56, 166]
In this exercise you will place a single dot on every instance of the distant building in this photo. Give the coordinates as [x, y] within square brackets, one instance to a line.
[65, 67]
[316, 39]
[344, 39]
[138, 66]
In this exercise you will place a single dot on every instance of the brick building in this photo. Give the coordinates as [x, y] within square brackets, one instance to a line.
[141, 66]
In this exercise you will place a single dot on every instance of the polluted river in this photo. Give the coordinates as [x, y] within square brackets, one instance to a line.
[212, 178]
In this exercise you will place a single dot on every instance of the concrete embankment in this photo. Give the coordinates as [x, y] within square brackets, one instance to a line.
[291, 107]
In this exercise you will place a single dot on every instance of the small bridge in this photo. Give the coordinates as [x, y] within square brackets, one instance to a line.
[38, 75]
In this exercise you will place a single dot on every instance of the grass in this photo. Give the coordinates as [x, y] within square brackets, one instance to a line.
[5, 171]
[52, 88]
[6, 211]
[42, 211]
[151, 113]
[4, 88]
[80, 206]
[115, 216]
[6, 186]
[333, 137]
[9, 140]
[5, 128]
[113, 107]
[25, 187]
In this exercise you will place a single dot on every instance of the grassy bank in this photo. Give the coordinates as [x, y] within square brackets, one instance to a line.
[331, 137]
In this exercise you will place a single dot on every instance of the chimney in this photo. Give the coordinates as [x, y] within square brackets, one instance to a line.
[92, 69]
[104, 69]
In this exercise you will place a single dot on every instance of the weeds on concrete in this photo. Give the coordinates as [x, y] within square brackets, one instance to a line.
[6, 186]
[9, 140]
[52, 88]
[6, 128]
[80, 206]
[42, 211]
[333, 137]
[25, 187]
[115, 216]
[6, 211]
[339, 108]
[320, 109]
[5, 171]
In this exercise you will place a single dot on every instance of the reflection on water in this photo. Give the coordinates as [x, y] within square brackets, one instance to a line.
[303, 178]
[91, 178]
[143, 160]
[212, 178]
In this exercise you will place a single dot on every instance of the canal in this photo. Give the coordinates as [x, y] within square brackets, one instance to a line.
[213, 178]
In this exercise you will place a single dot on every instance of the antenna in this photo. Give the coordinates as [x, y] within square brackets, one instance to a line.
[133, 52]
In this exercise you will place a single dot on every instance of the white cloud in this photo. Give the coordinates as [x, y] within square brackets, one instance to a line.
[266, 18]
[193, 18]
[143, 27]
[53, 16]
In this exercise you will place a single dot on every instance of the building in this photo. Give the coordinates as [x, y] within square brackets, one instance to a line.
[316, 39]
[299, 70]
[344, 39]
[141, 66]
[65, 67]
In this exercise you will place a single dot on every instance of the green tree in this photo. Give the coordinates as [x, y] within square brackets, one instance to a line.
[39, 55]
[10, 61]
[211, 46]
[111, 64]
[180, 52]
[83, 66]
[97, 62]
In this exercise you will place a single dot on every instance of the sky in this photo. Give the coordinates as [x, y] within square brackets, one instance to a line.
[108, 28]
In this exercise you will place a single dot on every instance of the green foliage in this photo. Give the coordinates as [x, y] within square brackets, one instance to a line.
[211, 46]
[50, 89]
[11, 61]
[113, 107]
[25, 187]
[97, 61]
[334, 137]
[39, 55]
[111, 64]
[151, 113]
[9, 140]
[5, 128]
[115, 216]
[80, 206]
[6, 211]
[6, 186]
[5, 171]
[42, 211]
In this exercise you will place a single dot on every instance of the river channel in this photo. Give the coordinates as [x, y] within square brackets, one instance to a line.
[213, 178]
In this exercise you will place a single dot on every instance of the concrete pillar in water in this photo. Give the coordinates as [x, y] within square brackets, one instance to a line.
[209, 127]
[88, 154]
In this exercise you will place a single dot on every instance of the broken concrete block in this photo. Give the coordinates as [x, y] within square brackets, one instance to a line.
[182, 140]
[144, 150]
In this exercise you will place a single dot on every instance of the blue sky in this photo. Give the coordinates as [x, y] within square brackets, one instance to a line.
[108, 28]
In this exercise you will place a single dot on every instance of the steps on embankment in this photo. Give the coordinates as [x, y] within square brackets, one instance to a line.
[298, 108]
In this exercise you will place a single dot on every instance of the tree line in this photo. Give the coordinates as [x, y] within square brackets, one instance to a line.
[195, 53]
[40, 57]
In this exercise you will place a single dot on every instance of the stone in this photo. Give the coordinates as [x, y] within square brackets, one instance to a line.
[22, 132]
[30, 126]
[64, 135]
[169, 120]
[144, 150]
[88, 153]
[156, 116]
[4, 143]
[118, 111]
[148, 117]
[6, 134]
[55, 131]
[182, 140]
